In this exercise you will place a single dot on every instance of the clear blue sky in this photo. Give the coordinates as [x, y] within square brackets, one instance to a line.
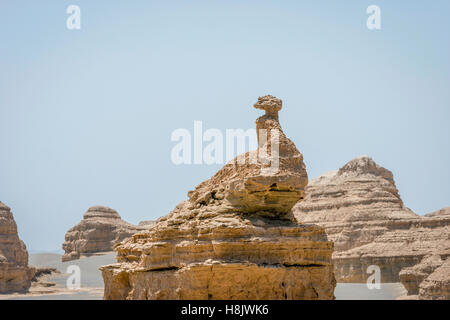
[86, 115]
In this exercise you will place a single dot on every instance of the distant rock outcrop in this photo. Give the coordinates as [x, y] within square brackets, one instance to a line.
[100, 229]
[15, 275]
[147, 223]
[360, 191]
[440, 213]
[235, 238]
[363, 214]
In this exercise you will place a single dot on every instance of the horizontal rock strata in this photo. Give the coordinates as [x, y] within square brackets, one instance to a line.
[15, 275]
[437, 285]
[363, 214]
[98, 232]
[228, 256]
[235, 238]
[412, 277]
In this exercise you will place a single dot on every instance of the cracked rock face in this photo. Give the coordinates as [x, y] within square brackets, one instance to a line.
[15, 275]
[234, 238]
[100, 229]
[362, 212]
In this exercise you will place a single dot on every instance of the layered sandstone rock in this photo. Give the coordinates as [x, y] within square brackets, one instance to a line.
[412, 277]
[362, 212]
[355, 204]
[235, 237]
[440, 213]
[404, 244]
[98, 232]
[437, 285]
[428, 274]
[147, 223]
[15, 275]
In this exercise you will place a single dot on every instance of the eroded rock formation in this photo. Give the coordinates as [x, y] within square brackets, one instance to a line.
[362, 212]
[147, 223]
[100, 229]
[437, 285]
[235, 237]
[440, 213]
[431, 277]
[15, 275]
[412, 277]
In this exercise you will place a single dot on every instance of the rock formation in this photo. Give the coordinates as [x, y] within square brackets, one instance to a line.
[440, 213]
[100, 229]
[412, 277]
[431, 277]
[437, 285]
[15, 275]
[147, 223]
[363, 214]
[235, 237]
[41, 278]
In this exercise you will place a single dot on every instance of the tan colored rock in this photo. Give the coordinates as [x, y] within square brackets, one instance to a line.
[147, 223]
[15, 275]
[412, 277]
[363, 214]
[360, 191]
[439, 213]
[437, 285]
[234, 238]
[98, 232]
[404, 244]
[250, 187]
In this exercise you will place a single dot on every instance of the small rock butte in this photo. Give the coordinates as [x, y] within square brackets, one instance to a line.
[98, 232]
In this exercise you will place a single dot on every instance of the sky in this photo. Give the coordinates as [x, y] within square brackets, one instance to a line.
[87, 115]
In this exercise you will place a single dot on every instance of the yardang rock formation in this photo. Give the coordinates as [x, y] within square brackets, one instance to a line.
[363, 214]
[100, 229]
[15, 275]
[234, 238]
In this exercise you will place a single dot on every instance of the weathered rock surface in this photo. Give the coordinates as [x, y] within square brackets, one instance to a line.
[147, 223]
[234, 238]
[412, 277]
[437, 285]
[363, 214]
[422, 275]
[98, 232]
[405, 244]
[15, 275]
[41, 277]
[440, 213]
